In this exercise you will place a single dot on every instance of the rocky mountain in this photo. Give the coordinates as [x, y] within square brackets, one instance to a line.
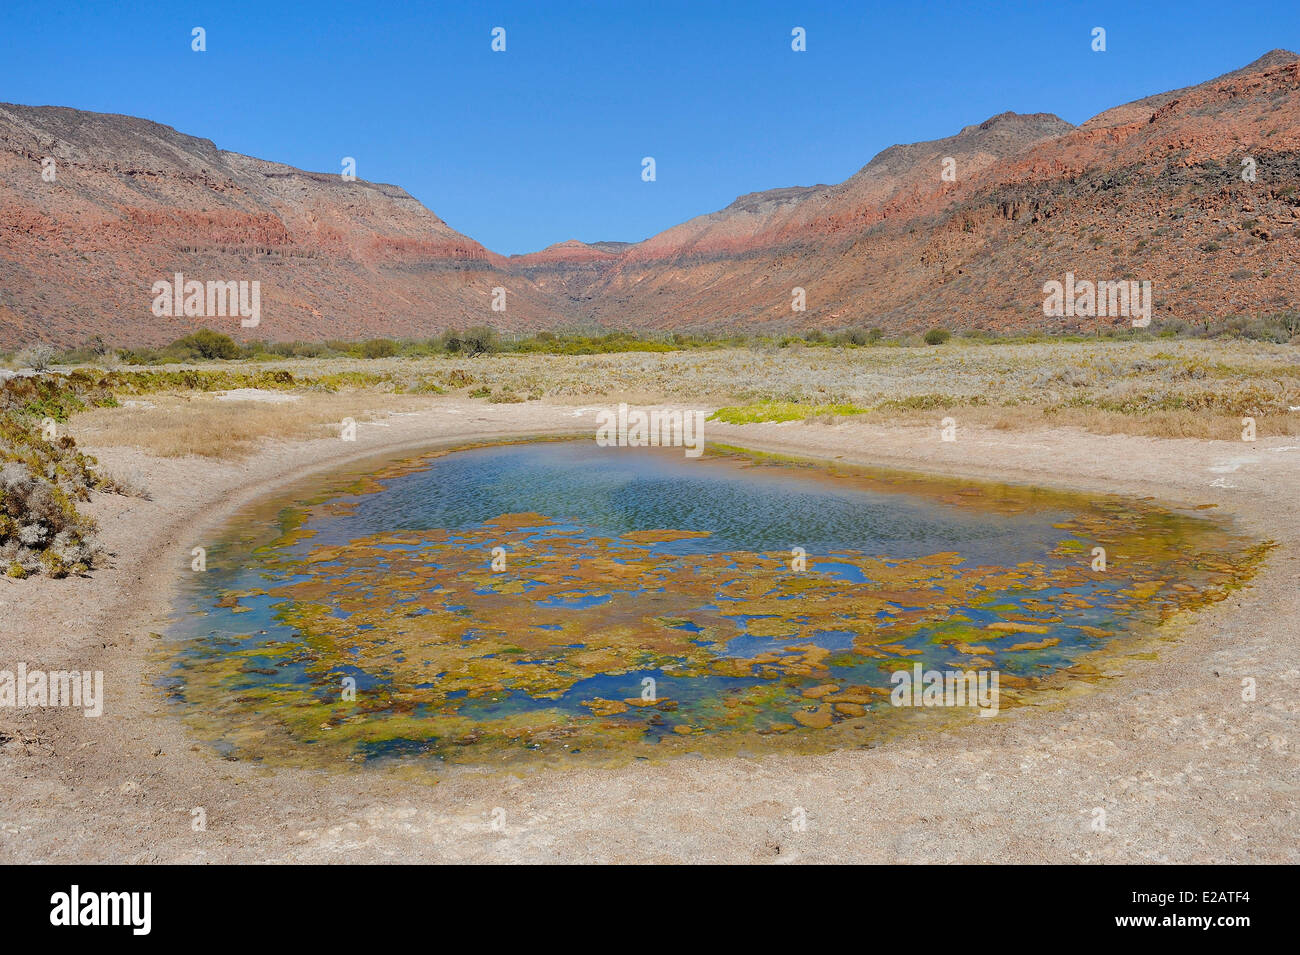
[132, 202]
[1152, 190]
[1195, 190]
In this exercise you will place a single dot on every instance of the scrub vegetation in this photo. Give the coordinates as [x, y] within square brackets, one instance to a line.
[227, 407]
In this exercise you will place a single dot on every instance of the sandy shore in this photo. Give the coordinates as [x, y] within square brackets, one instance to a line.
[1185, 770]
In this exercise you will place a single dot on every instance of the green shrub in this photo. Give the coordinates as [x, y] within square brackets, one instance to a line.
[378, 348]
[43, 476]
[937, 336]
[855, 336]
[206, 343]
[476, 341]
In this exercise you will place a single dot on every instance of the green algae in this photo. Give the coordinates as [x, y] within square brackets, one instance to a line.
[455, 660]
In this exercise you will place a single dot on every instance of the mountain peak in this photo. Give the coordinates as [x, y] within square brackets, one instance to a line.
[1138, 110]
[1270, 59]
[1011, 118]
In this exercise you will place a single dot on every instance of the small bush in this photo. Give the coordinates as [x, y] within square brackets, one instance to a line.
[205, 343]
[378, 348]
[476, 341]
[937, 336]
[38, 357]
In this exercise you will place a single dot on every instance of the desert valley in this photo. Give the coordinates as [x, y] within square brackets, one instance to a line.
[316, 488]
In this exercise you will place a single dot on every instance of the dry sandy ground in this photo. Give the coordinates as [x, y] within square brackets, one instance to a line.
[1185, 770]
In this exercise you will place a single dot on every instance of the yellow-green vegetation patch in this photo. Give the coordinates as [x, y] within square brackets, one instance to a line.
[782, 411]
[43, 476]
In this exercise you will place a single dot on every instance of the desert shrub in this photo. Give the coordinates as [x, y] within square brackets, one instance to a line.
[127, 484]
[378, 348]
[144, 382]
[40, 528]
[418, 385]
[1264, 328]
[458, 378]
[853, 336]
[38, 357]
[1289, 322]
[937, 336]
[930, 402]
[419, 349]
[475, 341]
[43, 475]
[141, 356]
[205, 343]
[94, 351]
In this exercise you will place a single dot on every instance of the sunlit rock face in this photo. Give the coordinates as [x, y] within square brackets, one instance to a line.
[968, 226]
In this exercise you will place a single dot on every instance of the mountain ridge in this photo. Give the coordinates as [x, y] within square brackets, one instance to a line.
[898, 244]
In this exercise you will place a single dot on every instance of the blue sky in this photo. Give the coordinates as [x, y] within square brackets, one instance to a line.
[544, 142]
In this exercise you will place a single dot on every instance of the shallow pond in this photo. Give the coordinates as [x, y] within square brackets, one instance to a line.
[554, 598]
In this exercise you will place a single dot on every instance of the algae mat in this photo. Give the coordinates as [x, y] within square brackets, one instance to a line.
[553, 600]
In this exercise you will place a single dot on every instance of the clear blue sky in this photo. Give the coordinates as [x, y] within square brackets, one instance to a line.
[544, 142]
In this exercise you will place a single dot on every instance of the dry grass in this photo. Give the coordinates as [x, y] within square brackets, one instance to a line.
[1157, 424]
[1154, 375]
[182, 425]
[1191, 388]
